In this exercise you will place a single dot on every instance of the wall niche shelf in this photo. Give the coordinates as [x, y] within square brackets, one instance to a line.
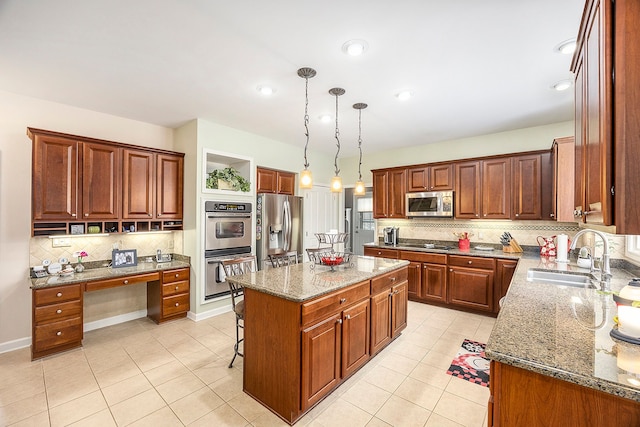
[213, 160]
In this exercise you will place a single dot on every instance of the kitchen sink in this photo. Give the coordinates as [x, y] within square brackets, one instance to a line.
[561, 278]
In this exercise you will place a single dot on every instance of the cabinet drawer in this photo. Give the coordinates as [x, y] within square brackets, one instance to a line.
[380, 252]
[424, 257]
[472, 261]
[334, 302]
[175, 304]
[121, 281]
[387, 281]
[175, 275]
[58, 312]
[57, 294]
[174, 288]
[57, 333]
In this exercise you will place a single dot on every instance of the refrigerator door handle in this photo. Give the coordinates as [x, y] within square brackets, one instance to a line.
[287, 225]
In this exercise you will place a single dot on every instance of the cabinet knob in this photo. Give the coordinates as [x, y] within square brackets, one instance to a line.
[73, 215]
[86, 214]
[339, 321]
[348, 317]
[126, 282]
[477, 215]
[485, 214]
[343, 300]
[451, 269]
[177, 274]
[469, 262]
[393, 279]
[58, 311]
[379, 253]
[59, 294]
[177, 304]
[552, 215]
[59, 333]
[150, 215]
[516, 215]
[159, 214]
[177, 287]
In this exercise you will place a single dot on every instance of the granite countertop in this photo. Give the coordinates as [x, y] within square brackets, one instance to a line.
[563, 331]
[302, 282]
[92, 274]
[529, 252]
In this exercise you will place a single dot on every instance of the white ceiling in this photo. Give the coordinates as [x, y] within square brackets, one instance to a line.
[475, 67]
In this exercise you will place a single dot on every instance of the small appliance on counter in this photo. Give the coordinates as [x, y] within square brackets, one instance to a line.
[391, 235]
[628, 303]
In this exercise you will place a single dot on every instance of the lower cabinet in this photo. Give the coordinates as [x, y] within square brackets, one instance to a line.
[505, 268]
[381, 252]
[427, 276]
[168, 299]
[471, 282]
[388, 308]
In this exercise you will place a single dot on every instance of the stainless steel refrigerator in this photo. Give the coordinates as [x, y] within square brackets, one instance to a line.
[278, 226]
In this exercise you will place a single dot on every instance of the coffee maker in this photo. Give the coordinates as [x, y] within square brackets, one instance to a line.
[390, 235]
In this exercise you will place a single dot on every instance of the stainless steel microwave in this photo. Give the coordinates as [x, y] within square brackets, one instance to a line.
[430, 204]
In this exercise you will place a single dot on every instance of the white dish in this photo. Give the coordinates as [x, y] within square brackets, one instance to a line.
[483, 248]
[54, 268]
[66, 272]
[46, 262]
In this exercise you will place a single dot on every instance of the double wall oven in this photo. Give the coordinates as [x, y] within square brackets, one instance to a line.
[228, 234]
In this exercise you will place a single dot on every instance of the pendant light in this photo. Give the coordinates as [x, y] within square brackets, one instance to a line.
[306, 73]
[359, 189]
[336, 181]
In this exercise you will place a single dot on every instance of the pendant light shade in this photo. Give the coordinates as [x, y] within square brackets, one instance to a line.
[306, 180]
[359, 188]
[336, 181]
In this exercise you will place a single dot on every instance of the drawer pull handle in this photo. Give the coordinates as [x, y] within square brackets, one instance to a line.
[470, 262]
[58, 311]
[451, 269]
[339, 321]
[177, 275]
[177, 304]
[59, 294]
[73, 215]
[343, 300]
[58, 333]
[393, 279]
[177, 287]
[348, 317]
[86, 214]
[126, 282]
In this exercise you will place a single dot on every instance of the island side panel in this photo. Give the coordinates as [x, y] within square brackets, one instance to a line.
[272, 353]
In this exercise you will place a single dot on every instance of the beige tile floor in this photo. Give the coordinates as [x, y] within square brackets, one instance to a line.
[141, 374]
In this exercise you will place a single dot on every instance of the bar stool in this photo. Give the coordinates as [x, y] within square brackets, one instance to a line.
[235, 267]
[287, 258]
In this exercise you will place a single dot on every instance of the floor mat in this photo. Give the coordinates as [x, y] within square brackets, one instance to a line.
[471, 364]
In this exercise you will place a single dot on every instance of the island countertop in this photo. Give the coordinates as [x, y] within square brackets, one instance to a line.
[302, 282]
[563, 332]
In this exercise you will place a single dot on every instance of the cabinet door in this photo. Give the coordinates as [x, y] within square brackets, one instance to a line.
[267, 181]
[169, 184]
[415, 280]
[504, 273]
[380, 194]
[496, 189]
[397, 192]
[399, 305]
[471, 287]
[468, 190]
[355, 337]
[138, 184]
[418, 179]
[286, 183]
[434, 282]
[441, 177]
[320, 359]
[580, 110]
[100, 181]
[527, 186]
[380, 321]
[55, 178]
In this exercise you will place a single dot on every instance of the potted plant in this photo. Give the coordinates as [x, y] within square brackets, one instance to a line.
[227, 179]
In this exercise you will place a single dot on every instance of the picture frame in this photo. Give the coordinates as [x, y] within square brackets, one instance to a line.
[124, 258]
[77, 228]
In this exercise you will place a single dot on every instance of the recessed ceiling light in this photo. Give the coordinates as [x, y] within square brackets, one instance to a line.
[325, 118]
[355, 47]
[404, 95]
[266, 90]
[567, 47]
[562, 85]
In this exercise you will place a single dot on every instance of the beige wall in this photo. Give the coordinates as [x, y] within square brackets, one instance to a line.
[16, 114]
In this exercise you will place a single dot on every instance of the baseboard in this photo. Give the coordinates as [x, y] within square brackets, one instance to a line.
[196, 317]
[15, 344]
[109, 321]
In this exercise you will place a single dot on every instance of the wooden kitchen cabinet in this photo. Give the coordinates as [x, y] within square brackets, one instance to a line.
[496, 188]
[430, 178]
[138, 184]
[389, 189]
[527, 186]
[607, 118]
[505, 268]
[471, 282]
[168, 298]
[56, 319]
[428, 278]
[169, 186]
[381, 252]
[564, 177]
[468, 190]
[414, 278]
[101, 178]
[388, 308]
[275, 181]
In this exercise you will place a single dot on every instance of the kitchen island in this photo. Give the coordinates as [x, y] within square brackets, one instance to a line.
[308, 328]
[553, 362]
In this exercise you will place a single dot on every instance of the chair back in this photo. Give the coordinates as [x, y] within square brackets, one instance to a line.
[288, 258]
[236, 267]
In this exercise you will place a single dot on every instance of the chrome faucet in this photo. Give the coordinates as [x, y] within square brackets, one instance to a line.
[605, 268]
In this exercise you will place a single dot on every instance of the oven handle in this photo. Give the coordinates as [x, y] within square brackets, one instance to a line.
[228, 215]
[220, 274]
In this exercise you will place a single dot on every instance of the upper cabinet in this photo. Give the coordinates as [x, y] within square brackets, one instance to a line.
[483, 189]
[532, 177]
[607, 74]
[563, 179]
[389, 189]
[275, 181]
[85, 185]
[430, 178]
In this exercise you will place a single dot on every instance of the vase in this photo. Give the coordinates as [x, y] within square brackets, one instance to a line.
[79, 268]
[224, 185]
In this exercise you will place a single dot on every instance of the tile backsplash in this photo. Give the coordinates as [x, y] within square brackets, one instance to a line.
[99, 247]
[486, 231]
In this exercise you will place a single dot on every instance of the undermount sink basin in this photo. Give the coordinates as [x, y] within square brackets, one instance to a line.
[561, 278]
